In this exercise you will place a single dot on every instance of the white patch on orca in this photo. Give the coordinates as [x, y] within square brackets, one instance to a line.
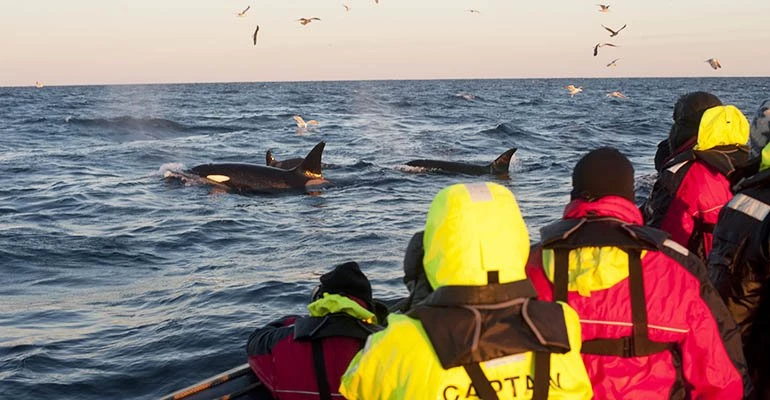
[218, 178]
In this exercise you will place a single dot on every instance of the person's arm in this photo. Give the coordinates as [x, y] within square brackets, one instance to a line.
[679, 220]
[262, 340]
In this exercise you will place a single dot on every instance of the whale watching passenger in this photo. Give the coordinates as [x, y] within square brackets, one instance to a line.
[653, 326]
[480, 333]
[296, 357]
[739, 263]
[707, 141]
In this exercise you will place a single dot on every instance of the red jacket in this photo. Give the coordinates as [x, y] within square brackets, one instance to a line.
[281, 354]
[682, 308]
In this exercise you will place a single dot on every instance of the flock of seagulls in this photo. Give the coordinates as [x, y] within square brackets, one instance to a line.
[605, 8]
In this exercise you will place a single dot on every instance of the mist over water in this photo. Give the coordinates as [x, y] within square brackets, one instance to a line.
[116, 282]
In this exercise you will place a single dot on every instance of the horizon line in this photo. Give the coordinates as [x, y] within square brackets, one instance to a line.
[376, 80]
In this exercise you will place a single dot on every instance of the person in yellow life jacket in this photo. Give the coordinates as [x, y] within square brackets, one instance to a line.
[481, 333]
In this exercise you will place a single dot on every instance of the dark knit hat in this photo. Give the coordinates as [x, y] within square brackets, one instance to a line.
[688, 111]
[603, 172]
[347, 280]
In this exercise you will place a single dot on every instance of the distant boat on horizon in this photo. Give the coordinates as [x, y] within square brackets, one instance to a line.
[39, 84]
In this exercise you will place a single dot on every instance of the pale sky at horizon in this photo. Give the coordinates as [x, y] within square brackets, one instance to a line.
[173, 41]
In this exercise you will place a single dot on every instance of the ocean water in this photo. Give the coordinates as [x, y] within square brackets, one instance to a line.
[118, 283]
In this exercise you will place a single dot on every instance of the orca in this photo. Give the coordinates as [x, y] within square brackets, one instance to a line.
[252, 178]
[270, 161]
[498, 167]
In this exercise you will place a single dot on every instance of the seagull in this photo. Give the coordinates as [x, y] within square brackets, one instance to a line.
[243, 13]
[617, 95]
[573, 90]
[254, 36]
[305, 21]
[596, 48]
[714, 63]
[472, 11]
[302, 124]
[612, 63]
[347, 7]
[614, 33]
[604, 7]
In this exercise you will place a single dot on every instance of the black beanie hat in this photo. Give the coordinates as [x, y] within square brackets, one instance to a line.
[347, 280]
[688, 111]
[603, 172]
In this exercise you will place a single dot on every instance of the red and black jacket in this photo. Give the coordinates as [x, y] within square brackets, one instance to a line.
[302, 358]
[691, 189]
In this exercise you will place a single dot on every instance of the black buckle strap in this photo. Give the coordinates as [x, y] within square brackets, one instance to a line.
[560, 274]
[542, 375]
[324, 393]
[480, 382]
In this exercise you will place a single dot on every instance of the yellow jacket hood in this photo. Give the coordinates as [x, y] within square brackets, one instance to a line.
[473, 229]
[720, 126]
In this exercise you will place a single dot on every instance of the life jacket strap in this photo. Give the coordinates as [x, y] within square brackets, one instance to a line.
[480, 382]
[324, 392]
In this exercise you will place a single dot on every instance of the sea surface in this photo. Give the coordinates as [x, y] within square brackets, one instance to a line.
[118, 283]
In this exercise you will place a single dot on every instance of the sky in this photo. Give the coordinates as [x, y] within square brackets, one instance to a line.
[74, 42]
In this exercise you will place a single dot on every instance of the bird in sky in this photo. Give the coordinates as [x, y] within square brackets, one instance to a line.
[305, 21]
[612, 32]
[301, 122]
[616, 95]
[596, 48]
[254, 36]
[243, 13]
[347, 7]
[604, 7]
[573, 90]
[714, 63]
[472, 11]
[613, 63]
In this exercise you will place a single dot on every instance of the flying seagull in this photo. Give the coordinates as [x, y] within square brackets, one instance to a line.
[616, 95]
[604, 7]
[254, 36]
[243, 13]
[614, 33]
[573, 90]
[472, 11]
[302, 124]
[347, 7]
[305, 21]
[714, 63]
[596, 48]
[613, 63]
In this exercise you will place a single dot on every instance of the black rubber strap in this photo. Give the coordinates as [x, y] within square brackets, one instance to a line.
[560, 274]
[480, 382]
[324, 393]
[542, 375]
[638, 302]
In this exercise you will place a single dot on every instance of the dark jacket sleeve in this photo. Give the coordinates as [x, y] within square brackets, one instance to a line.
[262, 340]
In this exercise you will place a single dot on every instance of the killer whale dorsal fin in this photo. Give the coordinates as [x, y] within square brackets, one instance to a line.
[502, 162]
[269, 159]
[311, 165]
